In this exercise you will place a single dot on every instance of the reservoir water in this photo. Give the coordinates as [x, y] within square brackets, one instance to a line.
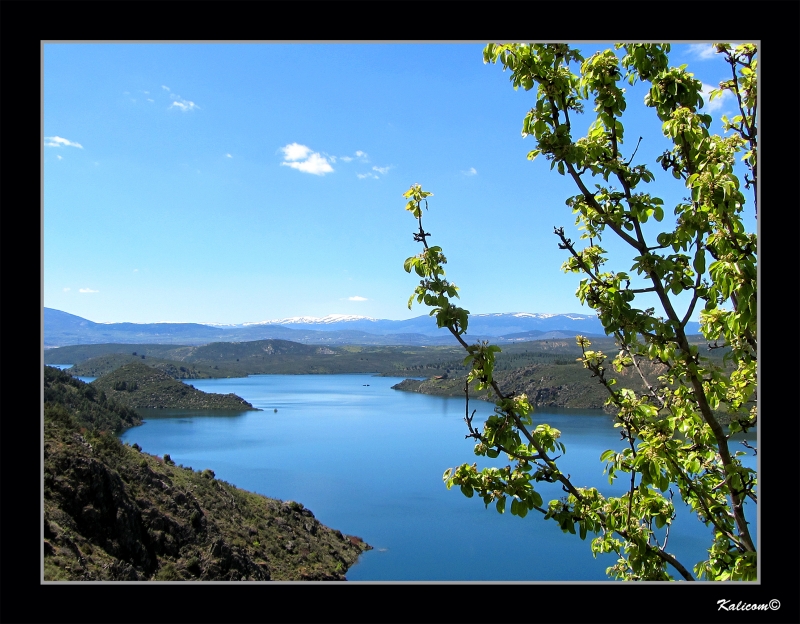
[368, 460]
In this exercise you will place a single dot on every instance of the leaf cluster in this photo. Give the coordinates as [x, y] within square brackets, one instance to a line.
[674, 438]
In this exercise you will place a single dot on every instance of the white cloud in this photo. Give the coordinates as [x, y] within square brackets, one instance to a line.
[136, 270]
[67, 289]
[295, 151]
[359, 154]
[57, 141]
[146, 92]
[713, 105]
[59, 156]
[702, 51]
[357, 298]
[184, 105]
[372, 174]
[165, 87]
[315, 164]
[228, 156]
[87, 290]
[472, 171]
[303, 158]
[149, 100]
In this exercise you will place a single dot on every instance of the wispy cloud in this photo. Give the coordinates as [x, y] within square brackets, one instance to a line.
[67, 289]
[59, 156]
[303, 158]
[470, 172]
[165, 87]
[702, 51]
[181, 104]
[57, 141]
[87, 290]
[357, 298]
[374, 173]
[150, 100]
[360, 155]
[717, 103]
[228, 156]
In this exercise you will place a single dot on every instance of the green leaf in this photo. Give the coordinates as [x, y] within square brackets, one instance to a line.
[699, 263]
[607, 455]
[500, 505]
[466, 490]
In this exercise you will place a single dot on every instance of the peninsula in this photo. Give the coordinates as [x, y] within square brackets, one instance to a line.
[115, 513]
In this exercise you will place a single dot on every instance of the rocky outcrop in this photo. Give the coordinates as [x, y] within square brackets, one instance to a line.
[114, 513]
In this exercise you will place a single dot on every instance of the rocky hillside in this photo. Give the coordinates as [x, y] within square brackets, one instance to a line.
[112, 512]
[552, 385]
[137, 385]
[546, 385]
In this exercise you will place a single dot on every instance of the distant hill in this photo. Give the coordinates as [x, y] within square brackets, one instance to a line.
[238, 359]
[137, 385]
[114, 513]
[62, 329]
[103, 364]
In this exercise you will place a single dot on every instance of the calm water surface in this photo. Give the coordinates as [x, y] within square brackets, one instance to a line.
[368, 460]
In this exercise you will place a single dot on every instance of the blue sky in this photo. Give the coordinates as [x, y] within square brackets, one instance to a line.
[231, 183]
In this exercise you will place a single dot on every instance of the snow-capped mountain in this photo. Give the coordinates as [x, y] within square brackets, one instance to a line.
[490, 325]
[61, 328]
[312, 320]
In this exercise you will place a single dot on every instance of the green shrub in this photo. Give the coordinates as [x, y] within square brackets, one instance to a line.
[167, 572]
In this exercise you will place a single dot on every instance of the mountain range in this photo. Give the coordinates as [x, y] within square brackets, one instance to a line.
[62, 328]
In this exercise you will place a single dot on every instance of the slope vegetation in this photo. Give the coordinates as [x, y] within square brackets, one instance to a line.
[137, 385]
[114, 513]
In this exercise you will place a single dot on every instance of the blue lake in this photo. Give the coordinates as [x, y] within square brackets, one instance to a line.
[368, 460]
